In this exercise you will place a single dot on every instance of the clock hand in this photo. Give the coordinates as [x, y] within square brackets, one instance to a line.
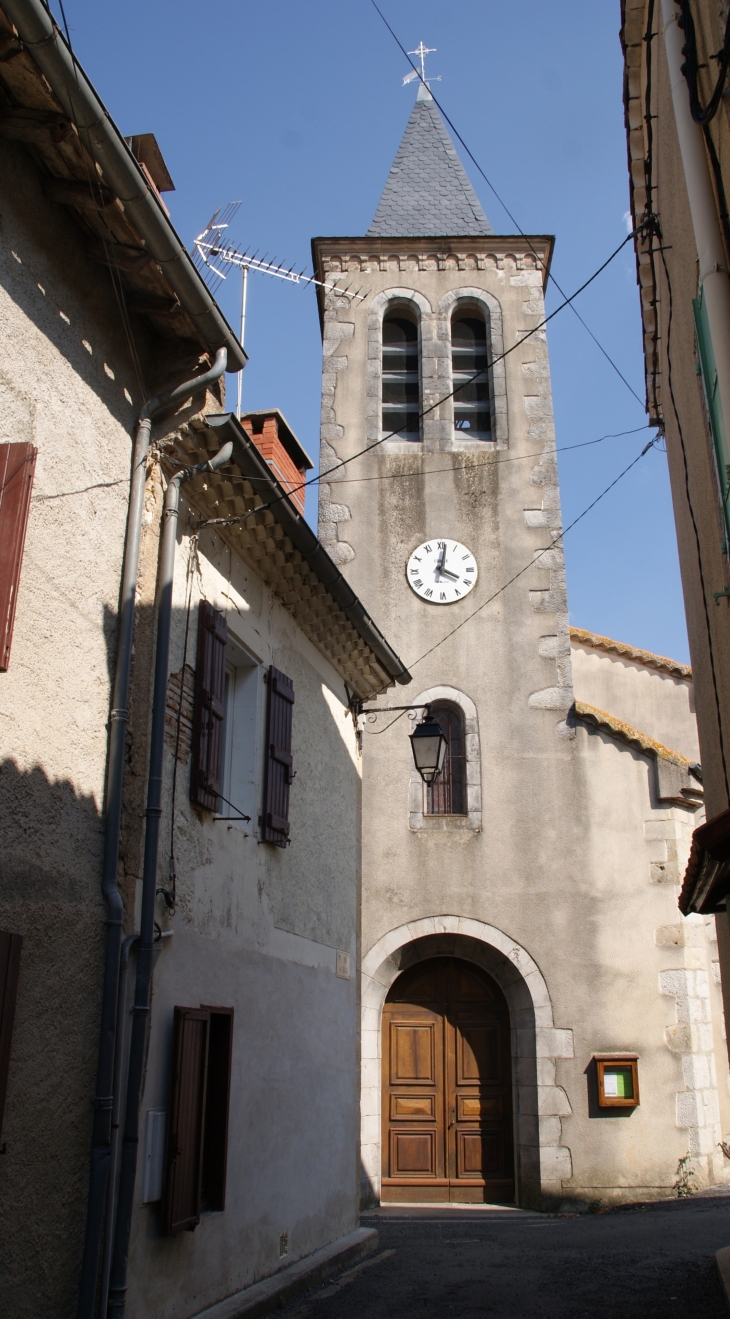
[453, 575]
[440, 563]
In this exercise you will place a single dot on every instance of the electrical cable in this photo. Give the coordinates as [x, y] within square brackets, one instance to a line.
[533, 563]
[496, 461]
[343, 462]
[691, 67]
[504, 205]
[169, 896]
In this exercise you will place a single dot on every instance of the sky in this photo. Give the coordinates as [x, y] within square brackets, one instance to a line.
[297, 110]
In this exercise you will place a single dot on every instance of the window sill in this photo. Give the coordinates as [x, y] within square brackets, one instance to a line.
[439, 823]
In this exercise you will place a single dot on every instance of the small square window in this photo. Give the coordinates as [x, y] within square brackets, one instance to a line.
[618, 1080]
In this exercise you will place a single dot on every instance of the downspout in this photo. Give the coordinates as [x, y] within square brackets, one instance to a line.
[713, 276]
[103, 1099]
[141, 1009]
[111, 1184]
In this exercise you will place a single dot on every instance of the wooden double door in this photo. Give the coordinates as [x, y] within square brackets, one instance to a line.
[447, 1087]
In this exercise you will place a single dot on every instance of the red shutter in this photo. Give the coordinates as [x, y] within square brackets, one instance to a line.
[181, 1196]
[10, 946]
[279, 773]
[210, 690]
[17, 465]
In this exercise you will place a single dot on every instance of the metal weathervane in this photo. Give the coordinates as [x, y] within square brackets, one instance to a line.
[421, 51]
[212, 255]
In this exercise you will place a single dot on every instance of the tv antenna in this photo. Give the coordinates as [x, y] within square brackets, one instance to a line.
[214, 255]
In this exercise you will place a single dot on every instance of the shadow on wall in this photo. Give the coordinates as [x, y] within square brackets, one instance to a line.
[50, 864]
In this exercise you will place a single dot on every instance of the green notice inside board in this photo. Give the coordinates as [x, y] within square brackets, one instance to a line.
[618, 1082]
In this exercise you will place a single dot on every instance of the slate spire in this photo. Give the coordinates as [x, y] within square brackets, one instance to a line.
[427, 191]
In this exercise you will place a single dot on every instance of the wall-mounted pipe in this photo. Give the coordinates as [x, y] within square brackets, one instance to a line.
[111, 1187]
[141, 1008]
[103, 1099]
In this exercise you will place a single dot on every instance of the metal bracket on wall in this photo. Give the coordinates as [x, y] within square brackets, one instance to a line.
[717, 595]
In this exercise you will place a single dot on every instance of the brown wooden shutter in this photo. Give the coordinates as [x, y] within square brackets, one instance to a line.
[17, 466]
[218, 1090]
[10, 946]
[279, 773]
[186, 1121]
[209, 713]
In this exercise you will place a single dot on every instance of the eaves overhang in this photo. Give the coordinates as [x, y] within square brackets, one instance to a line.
[706, 883]
[595, 641]
[634, 19]
[270, 533]
[82, 148]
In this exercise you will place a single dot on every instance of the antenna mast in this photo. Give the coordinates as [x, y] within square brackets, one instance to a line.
[212, 254]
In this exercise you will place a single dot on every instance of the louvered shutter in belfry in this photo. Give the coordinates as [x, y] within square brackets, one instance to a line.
[210, 688]
[17, 465]
[186, 1121]
[279, 772]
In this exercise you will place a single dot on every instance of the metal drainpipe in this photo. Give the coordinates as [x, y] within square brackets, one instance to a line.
[714, 277]
[141, 1009]
[111, 1186]
[103, 1099]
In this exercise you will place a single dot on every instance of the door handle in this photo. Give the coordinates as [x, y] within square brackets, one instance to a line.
[452, 1122]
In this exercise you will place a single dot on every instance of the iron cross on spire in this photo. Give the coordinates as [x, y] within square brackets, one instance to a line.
[421, 51]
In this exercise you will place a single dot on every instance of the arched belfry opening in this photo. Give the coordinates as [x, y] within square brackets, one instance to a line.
[401, 383]
[447, 1086]
[470, 374]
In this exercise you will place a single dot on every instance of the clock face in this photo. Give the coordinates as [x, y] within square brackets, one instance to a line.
[441, 571]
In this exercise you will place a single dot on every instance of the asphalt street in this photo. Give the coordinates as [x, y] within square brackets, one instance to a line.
[644, 1262]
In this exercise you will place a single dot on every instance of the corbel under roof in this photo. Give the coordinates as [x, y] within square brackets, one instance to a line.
[48, 103]
[286, 554]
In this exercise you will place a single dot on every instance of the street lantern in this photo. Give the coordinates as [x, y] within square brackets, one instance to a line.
[429, 748]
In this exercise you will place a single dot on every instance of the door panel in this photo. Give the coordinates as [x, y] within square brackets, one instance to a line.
[413, 1153]
[478, 1055]
[447, 1095]
[412, 1052]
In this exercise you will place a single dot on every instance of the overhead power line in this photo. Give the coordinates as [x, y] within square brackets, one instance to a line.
[534, 562]
[343, 462]
[504, 205]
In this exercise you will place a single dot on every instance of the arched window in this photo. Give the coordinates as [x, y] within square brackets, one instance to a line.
[472, 411]
[447, 794]
[401, 384]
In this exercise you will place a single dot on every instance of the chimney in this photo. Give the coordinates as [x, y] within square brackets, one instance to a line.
[277, 443]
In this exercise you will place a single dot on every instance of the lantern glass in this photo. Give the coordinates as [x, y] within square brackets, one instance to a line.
[429, 748]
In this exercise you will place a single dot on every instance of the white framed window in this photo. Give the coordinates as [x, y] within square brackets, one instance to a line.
[241, 736]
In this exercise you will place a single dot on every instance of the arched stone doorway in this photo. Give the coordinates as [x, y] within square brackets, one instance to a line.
[447, 1086]
[542, 1161]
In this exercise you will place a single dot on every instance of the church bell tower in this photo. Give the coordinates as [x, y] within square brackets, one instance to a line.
[436, 371]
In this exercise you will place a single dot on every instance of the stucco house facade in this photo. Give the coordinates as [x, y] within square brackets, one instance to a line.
[520, 934]
[677, 131]
[178, 1023]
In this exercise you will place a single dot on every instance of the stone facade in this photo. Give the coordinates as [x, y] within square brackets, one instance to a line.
[562, 873]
